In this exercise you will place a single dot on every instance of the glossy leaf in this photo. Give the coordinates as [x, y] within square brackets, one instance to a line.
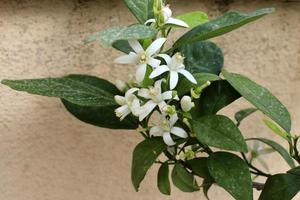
[217, 96]
[141, 9]
[144, 155]
[199, 167]
[163, 182]
[194, 18]
[261, 98]
[206, 185]
[204, 56]
[82, 90]
[281, 187]
[295, 171]
[277, 129]
[221, 25]
[232, 173]
[100, 116]
[183, 180]
[185, 85]
[277, 147]
[242, 114]
[122, 45]
[110, 36]
[219, 131]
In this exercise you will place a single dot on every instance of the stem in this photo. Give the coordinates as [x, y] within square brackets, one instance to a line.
[257, 171]
[258, 186]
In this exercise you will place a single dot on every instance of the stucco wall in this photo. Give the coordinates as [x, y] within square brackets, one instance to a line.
[47, 154]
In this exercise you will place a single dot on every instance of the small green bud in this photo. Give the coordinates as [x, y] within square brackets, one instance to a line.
[169, 110]
[174, 94]
[189, 155]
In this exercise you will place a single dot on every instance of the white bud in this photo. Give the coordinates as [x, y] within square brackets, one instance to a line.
[120, 100]
[121, 85]
[186, 103]
[167, 12]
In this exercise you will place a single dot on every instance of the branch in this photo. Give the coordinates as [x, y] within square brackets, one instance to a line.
[258, 186]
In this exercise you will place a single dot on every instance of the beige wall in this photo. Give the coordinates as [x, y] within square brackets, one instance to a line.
[47, 154]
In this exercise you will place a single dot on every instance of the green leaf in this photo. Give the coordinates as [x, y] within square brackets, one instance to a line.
[221, 25]
[163, 182]
[194, 18]
[232, 173]
[242, 114]
[219, 131]
[122, 45]
[277, 147]
[203, 56]
[144, 155]
[206, 185]
[281, 187]
[295, 171]
[185, 85]
[217, 96]
[199, 167]
[141, 9]
[277, 129]
[110, 36]
[100, 116]
[78, 89]
[183, 180]
[261, 98]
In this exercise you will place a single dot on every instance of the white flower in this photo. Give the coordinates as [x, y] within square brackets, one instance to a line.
[166, 127]
[174, 65]
[157, 98]
[186, 103]
[121, 85]
[141, 57]
[129, 104]
[168, 19]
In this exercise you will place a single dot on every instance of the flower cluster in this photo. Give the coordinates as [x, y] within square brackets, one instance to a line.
[164, 70]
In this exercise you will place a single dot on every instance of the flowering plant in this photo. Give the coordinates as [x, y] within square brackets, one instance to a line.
[173, 101]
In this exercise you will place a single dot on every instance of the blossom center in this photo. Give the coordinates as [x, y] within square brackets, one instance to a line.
[154, 94]
[143, 58]
[165, 125]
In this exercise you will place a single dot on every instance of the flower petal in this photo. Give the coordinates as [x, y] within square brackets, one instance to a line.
[166, 57]
[146, 110]
[144, 93]
[153, 62]
[188, 75]
[149, 21]
[131, 58]
[158, 71]
[173, 119]
[155, 46]
[120, 100]
[135, 107]
[173, 79]
[130, 92]
[161, 105]
[168, 139]
[180, 132]
[140, 72]
[177, 22]
[122, 112]
[167, 95]
[136, 46]
[157, 85]
[156, 131]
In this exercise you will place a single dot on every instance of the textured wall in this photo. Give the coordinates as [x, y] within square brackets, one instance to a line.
[47, 154]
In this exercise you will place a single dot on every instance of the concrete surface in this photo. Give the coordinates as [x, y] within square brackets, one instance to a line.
[47, 154]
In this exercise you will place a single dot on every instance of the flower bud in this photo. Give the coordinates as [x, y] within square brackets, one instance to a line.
[186, 103]
[169, 110]
[121, 85]
[120, 100]
[189, 154]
